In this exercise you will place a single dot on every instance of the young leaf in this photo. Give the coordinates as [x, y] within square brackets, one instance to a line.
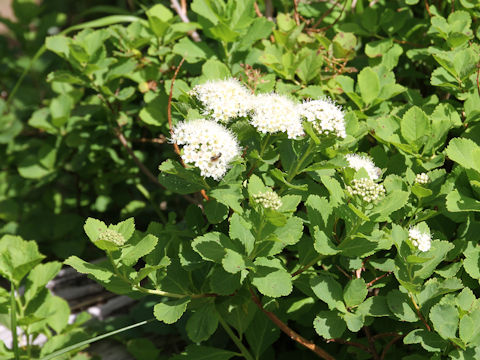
[170, 311]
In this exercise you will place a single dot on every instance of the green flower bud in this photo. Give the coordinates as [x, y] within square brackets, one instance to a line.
[113, 237]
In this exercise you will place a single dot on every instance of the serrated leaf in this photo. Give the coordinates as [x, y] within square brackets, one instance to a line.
[369, 85]
[132, 253]
[444, 318]
[271, 278]
[97, 271]
[329, 324]
[203, 323]
[329, 291]
[170, 311]
[355, 292]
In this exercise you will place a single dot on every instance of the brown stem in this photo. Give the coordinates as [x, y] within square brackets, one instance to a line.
[377, 278]
[419, 313]
[338, 18]
[292, 334]
[269, 9]
[478, 78]
[351, 343]
[257, 9]
[169, 109]
[325, 14]
[295, 12]
[143, 168]
[385, 349]
[183, 15]
[427, 7]
[379, 336]
[371, 343]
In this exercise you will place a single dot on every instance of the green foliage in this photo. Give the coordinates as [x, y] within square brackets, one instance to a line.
[397, 276]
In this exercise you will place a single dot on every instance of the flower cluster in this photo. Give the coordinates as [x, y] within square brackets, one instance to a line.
[326, 117]
[367, 189]
[422, 179]
[358, 162]
[269, 200]
[276, 113]
[223, 100]
[207, 145]
[421, 240]
[113, 237]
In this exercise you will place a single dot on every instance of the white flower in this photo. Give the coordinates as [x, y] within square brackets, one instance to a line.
[207, 145]
[367, 189]
[276, 113]
[358, 162]
[325, 116]
[268, 199]
[223, 100]
[420, 239]
[422, 179]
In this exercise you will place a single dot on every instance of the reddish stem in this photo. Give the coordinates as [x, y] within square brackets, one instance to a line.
[292, 334]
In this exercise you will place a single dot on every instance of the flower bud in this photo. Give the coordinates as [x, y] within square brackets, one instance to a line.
[113, 237]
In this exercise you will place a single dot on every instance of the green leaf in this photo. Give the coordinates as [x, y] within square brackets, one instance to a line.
[241, 230]
[211, 246]
[472, 262]
[204, 353]
[93, 228]
[327, 289]
[233, 262]
[329, 324]
[465, 152]
[399, 304]
[374, 306]
[178, 179]
[216, 212]
[203, 323]
[322, 243]
[137, 249]
[215, 70]
[369, 85]
[271, 278]
[355, 292]
[444, 318]
[458, 202]
[17, 257]
[191, 51]
[39, 277]
[354, 321]
[261, 334]
[414, 125]
[125, 228]
[224, 283]
[170, 311]
[159, 17]
[429, 340]
[97, 271]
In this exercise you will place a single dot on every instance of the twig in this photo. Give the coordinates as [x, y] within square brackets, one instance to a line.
[478, 77]
[183, 15]
[419, 313]
[338, 18]
[385, 349]
[292, 334]
[183, 3]
[169, 109]
[377, 278]
[343, 272]
[257, 9]
[351, 343]
[143, 168]
[378, 336]
[371, 343]
[427, 7]
[325, 14]
[169, 117]
[269, 9]
[295, 12]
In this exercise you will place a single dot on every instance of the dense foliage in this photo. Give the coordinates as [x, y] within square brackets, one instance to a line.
[325, 206]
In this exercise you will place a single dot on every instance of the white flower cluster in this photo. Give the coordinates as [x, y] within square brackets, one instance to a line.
[420, 239]
[113, 237]
[268, 199]
[367, 189]
[223, 100]
[326, 117]
[358, 162]
[276, 113]
[207, 145]
[422, 179]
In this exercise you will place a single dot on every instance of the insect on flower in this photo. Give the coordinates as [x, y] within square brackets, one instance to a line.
[216, 157]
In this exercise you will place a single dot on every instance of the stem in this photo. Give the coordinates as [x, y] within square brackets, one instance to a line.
[306, 267]
[13, 321]
[246, 354]
[292, 334]
[263, 147]
[417, 308]
[306, 154]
